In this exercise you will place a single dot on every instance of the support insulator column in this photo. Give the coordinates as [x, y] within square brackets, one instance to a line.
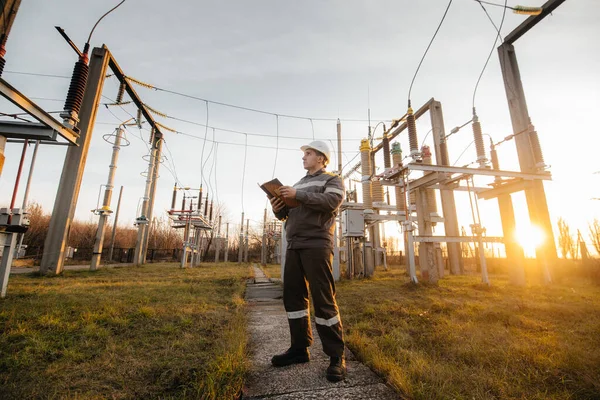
[479, 146]
[536, 148]
[386, 151]
[174, 199]
[365, 157]
[413, 140]
[70, 113]
[397, 160]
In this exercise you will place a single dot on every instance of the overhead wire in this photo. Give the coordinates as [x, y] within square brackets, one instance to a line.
[276, 147]
[497, 36]
[427, 49]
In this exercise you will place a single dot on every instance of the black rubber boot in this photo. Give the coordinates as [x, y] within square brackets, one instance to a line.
[291, 356]
[337, 369]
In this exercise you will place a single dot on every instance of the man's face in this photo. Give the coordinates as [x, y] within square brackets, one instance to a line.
[311, 160]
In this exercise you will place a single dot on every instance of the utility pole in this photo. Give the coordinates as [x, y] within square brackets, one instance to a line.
[226, 255]
[158, 154]
[114, 229]
[241, 243]
[525, 134]
[73, 168]
[246, 241]
[144, 220]
[105, 211]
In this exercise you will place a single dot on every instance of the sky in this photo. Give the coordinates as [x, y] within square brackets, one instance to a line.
[318, 60]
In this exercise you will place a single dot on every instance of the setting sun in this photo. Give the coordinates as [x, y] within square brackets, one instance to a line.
[529, 237]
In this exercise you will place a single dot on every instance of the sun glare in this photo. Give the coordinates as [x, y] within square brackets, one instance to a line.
[529, 237]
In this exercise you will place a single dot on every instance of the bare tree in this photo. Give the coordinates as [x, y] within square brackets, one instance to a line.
[565, 239]
[595, 234]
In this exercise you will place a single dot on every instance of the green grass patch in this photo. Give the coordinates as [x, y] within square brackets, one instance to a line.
[155, 331]
[462, 340]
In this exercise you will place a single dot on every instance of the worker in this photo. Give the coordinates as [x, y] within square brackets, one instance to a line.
[309, 228]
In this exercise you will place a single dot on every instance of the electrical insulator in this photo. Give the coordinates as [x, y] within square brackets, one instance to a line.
[365, 158]
[396, 154]
[387, 163]
[536, 148]
[525, 10]
[76, 91]
[174, 197]
[205, 205]
[397, 160]
[200, 199]
[444, 151]
[183, 203]
[211, 211]
[413, 141]
[139, 118]
[479, 146]
[120, 93]
[494, 157]
[2, 53]
[377, 191]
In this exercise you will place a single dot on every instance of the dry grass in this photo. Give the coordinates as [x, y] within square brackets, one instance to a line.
[462, 340]
[272, 270]
[148, 332]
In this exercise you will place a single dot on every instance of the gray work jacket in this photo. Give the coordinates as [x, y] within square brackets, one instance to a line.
[311, 224]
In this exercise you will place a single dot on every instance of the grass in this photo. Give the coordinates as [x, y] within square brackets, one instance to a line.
[155, 331]
[271, 270]
[463, 340]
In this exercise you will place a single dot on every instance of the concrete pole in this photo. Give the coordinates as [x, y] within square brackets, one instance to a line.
[6, 260]
[186, 238]
[73, 168]
[105, 210]
[241, 241]
[263, 250]
[535, 195]
[226, 247]
[114, 229]
[144, 221]
[157, 155]
[246, 240]
[446, 195]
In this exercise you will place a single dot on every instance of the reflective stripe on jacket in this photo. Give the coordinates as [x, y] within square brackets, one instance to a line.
[311, 224]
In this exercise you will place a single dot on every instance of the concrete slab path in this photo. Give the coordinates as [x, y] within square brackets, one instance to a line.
[269, 335]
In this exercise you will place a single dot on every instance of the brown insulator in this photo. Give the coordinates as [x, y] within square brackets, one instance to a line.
[206, 206]
[76, 88]
[183, 203]
[377, 190]
[494, 156]
[200, 199]
[413, 141]
[120, 93]
[479, 146]
[211, 211]
[444, 151]
[387, 163]
[174, 199]
[536, 148]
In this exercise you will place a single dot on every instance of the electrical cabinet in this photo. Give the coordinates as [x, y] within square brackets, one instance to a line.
[353, 223]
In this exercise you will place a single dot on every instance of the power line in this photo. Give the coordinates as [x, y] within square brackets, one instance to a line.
[497, 36]
[427, 49]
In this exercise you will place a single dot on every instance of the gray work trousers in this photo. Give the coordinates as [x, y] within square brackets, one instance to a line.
[304, 268]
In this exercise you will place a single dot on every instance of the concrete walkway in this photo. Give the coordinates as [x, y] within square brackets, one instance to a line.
[269, 335]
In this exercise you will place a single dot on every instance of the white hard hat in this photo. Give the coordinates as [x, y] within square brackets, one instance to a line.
[320, 146]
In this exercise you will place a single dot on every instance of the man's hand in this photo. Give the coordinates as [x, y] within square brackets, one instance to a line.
[287, 192]
[277, 204]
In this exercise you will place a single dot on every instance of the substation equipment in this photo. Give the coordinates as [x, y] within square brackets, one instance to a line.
[79, 116]
[415, 207]
[194, 223]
